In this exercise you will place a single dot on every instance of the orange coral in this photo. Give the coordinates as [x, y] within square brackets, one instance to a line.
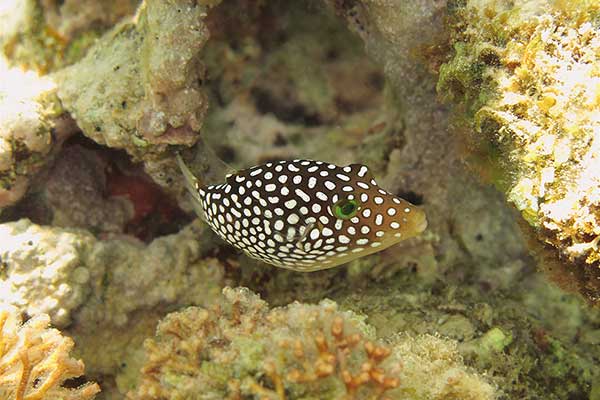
[35, 362]
[332, 360]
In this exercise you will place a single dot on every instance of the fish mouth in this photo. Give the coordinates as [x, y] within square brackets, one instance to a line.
[420, 221]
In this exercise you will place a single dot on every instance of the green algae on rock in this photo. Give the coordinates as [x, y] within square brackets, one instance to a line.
[240, 348]
[526, 334]
[527, 75]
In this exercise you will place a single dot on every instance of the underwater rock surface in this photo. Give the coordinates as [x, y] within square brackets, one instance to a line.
[139, 87]
[96, 230]
[61, 272]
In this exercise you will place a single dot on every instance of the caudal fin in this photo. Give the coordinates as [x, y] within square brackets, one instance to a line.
[192, 184]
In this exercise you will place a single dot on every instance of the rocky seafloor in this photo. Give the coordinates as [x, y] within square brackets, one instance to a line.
[484, 113]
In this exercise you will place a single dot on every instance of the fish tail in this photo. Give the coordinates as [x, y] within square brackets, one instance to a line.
[192, 184]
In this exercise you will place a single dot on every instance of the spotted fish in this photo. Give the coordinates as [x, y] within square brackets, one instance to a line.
[305, 215]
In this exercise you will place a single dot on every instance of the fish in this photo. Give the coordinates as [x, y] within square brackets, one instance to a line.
[304, 215]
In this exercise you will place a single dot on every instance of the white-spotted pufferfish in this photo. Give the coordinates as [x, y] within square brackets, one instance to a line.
[305, 215]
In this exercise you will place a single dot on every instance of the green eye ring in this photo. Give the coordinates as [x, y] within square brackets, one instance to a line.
[346, 208]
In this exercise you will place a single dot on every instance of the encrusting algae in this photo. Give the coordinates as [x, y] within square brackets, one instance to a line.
[35, 361]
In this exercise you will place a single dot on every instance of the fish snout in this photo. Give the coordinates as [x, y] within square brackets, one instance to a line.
[409, 220]
[420, 217]
[416, 220]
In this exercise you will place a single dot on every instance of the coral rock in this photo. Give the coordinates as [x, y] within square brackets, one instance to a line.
[62, 271]
[138, 88]
[28, 112]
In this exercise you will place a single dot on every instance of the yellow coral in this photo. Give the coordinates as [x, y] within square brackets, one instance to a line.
[35, 362]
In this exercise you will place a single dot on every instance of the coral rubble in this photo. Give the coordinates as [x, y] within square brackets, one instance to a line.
[241, 349]
[528, 80]
[35, 362]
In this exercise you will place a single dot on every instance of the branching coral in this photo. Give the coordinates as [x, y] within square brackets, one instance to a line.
[528, 75]
[240, 349]
[332, 359]
[35, 361]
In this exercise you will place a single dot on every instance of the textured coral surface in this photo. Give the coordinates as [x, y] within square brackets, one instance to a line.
[97, 232]
[528, 75]
[35, 361]
[57, 271]
[151, 71]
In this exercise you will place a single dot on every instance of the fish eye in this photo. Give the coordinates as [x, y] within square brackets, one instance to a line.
[346, 208]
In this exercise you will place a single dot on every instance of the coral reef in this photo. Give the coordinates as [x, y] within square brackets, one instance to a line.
[241, 349]
[526, 76]
[43, 270]
[502, 326]
[83, 282]
[106, 253]
[35, 361]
